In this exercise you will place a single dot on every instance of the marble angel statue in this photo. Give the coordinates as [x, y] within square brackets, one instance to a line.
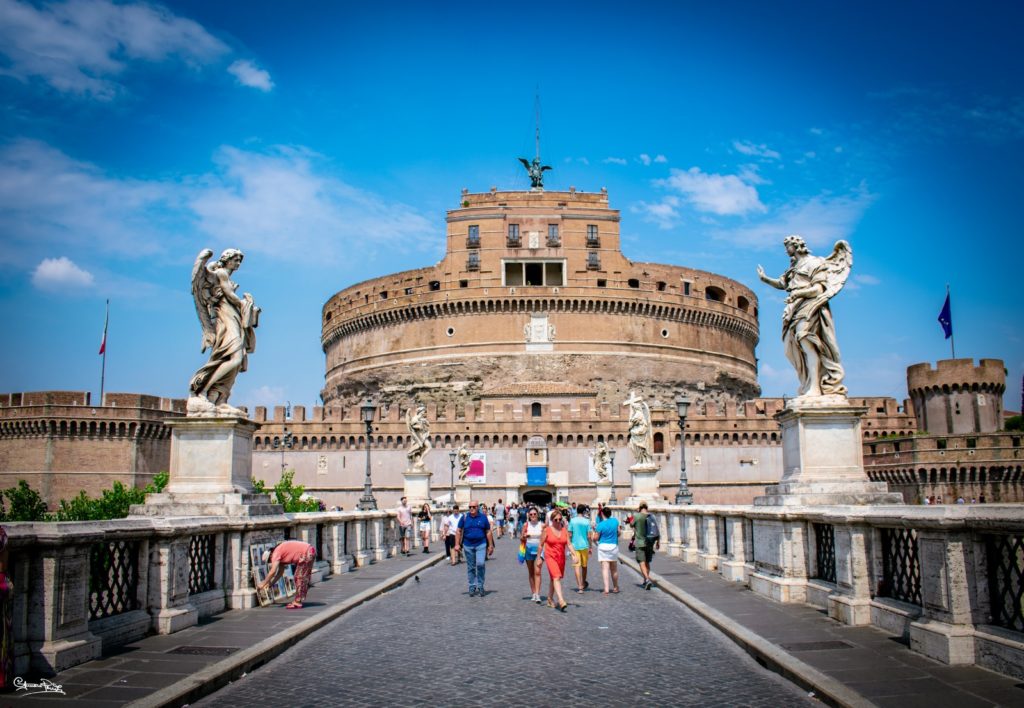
[419, 432]
[601, 461]
[463, 463]
[808, 331]
[641, 436]
[229, 331]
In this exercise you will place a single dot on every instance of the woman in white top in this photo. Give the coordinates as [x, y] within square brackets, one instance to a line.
[533, 529]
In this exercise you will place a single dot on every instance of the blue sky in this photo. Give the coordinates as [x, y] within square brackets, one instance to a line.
[326, 140]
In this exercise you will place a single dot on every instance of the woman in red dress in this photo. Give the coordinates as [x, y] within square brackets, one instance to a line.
[554, 541]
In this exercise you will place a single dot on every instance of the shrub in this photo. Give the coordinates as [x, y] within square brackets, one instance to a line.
[113, 503]
[1014, 422]
[22, 503]
[287, 493]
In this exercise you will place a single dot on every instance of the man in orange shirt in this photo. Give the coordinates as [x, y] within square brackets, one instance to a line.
[299, 553]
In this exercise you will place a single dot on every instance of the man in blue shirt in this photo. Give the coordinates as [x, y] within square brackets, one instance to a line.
[579, 536]
[474, 536]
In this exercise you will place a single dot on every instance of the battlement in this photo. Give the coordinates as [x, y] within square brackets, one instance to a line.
[58, 404]
[989, 374]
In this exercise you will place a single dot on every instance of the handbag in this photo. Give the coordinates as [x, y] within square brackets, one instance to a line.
[522, 552]
[632, 545]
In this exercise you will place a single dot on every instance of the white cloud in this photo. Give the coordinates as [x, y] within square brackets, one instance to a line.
[665, 213]
[248, 74]
[645, 159]
[714, 193]
[821, 220]
[283, 202]
[265, 395]
[57, 274]
[859, 280]
[79, 46]
[762, 150]
[660, 159]
[614, 160]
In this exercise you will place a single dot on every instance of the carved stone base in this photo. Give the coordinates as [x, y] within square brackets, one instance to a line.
[207, 505]
[644, 484]
[827, 494]
[417, 487]
[463, 493]
[51, 658]
[604, 492]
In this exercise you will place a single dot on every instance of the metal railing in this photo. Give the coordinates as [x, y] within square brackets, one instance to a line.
[1005, 556]
[202, 563]
[901, 568]
[113, 578]
[824, 552]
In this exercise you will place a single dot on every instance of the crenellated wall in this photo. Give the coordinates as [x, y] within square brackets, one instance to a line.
[958, 397]
[61, 444]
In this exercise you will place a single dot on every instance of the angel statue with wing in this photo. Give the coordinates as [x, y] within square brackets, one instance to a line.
[419, 432]
[808, 332]
[229, 323]
[641, 437]
[536, 172]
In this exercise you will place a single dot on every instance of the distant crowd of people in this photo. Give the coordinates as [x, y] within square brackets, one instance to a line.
[933, 499]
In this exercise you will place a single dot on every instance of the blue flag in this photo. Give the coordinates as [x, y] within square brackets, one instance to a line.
[946, 319]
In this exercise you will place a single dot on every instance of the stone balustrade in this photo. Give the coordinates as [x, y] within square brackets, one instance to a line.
[83, 587]
[947, 579]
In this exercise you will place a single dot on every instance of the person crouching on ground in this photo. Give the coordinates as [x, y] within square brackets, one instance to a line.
[297, 553]
[554, 541]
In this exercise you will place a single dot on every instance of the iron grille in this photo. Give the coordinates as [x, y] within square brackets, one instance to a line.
[901, 569]
[113, 578]
[1006, 580]
[825, 552]
[201, 563]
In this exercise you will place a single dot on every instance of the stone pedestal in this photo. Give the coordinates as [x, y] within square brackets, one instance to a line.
[210, 471]
[822, 457]
[417, 487]
[463, 493]
[604, 492]
[644, 484]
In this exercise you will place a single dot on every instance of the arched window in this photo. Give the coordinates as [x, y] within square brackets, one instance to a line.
[713, 293]
[742, 303]
[535, 410]
[659, 444]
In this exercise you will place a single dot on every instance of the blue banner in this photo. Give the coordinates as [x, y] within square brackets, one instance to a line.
[537, 476]
[946, 318]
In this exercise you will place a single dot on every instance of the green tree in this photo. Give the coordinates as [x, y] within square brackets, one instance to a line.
[22, 503]
[1014, 422]
[287, 493]
[113, 503]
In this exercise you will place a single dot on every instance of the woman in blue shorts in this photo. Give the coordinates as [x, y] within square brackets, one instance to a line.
[532, 531]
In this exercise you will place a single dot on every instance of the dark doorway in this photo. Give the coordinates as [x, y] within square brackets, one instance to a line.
[540, 497]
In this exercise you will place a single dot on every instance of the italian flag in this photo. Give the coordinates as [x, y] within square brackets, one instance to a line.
[106, 321]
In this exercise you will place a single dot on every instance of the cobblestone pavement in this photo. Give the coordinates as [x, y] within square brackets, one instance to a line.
[429, 643]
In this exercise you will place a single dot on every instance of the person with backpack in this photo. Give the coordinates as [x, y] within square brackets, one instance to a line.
[647, 538]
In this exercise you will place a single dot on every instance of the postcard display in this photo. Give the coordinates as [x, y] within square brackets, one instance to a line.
[280, 591]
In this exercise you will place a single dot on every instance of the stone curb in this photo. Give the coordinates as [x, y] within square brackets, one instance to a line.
[826, 689]
[207, 680]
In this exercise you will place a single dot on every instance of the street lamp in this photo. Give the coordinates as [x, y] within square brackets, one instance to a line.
[286, 442]
[683, 496]
[367, 502]
[452, 454]
[611, 496]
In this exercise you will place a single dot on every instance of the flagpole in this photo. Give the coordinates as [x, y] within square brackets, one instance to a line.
[952, 345]
[103, 368]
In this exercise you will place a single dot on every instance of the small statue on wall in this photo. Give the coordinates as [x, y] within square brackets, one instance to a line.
[463, 463]
[641, 436]
[601, 461]
[229, 331]
[419, 432]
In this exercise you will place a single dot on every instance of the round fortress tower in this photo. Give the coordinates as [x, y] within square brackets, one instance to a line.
[534, 287]
[958, 397]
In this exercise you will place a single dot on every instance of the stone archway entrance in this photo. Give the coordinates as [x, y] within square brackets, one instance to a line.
[538, 495]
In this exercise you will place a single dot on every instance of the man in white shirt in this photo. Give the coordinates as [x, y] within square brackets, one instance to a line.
[404, 524]
[449, 527]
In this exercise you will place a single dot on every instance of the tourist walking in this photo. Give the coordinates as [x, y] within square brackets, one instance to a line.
[606, 533]
[425, 520]
[474, 537]
[449, 526]
[404, 524]
[499, 517]
[579, 536]
[6, 617]
[297, 553]
[530, 536]
[554, 541]
[646, 538]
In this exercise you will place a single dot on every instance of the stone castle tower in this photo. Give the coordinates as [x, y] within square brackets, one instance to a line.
[958, 397]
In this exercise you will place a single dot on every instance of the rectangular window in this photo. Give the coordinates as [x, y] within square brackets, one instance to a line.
[593, 261]
[463, 283]
[1015, 441]
[972, 443]
[686, 288]
[549, 274]
[553, 239]
[473, 262]
[940, 444]
[473, 239]
[408, 291]
[513, 236]
[602, 283]
[592, 238]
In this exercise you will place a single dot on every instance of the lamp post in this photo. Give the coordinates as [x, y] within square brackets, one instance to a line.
[367, 501]
[611, 496]
[284, 442]
[683, 496]
[452, 454]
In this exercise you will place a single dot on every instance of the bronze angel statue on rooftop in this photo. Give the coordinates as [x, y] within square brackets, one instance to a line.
[808, 331]
[229, 323]
[536, 172]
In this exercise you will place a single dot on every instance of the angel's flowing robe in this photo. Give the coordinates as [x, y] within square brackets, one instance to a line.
[808, 321]
[234, 339]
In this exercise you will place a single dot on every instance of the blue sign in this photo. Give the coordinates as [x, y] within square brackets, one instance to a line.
[537, 476]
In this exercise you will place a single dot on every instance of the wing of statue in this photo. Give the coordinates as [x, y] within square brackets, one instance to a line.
[202, 293]
[546, 167]
[838, 265]
[526, 163]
